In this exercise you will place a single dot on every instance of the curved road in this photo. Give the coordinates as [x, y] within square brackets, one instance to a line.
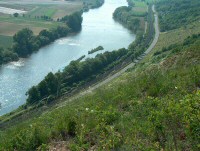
[157, 33]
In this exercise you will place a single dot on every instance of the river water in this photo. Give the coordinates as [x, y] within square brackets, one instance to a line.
[98, 28]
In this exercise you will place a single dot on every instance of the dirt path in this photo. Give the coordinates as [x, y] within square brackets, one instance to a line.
[90, 89]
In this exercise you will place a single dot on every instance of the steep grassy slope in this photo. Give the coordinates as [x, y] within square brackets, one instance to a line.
[153, 106]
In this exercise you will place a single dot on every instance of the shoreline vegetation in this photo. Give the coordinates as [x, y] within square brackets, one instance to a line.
[81, 58]
[130, 17]
[142, 103]
[25, 42]
[95, 50]
[153, 106]
[92, 4]
[78, 74]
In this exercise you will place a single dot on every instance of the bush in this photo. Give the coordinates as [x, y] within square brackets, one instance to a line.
[71, 127]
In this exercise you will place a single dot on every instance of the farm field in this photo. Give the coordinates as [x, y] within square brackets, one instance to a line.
[5, 41]
[140, 7]
[51, 10]
[38, 16]
[35, 1]
[9, 25]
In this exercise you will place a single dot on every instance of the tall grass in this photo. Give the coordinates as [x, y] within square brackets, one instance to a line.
[153, 107]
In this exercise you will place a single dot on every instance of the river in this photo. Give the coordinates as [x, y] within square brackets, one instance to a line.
[98, 28]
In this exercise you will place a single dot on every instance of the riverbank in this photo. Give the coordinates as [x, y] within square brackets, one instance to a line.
[133, 17]
[12, 53]
[59, 54]
[91, 4]
[25, 42]
[38, 16]
[77, 74]
[121, 114]
[113, 68]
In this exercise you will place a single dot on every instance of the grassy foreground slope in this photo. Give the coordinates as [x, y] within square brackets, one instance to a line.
[154, 106]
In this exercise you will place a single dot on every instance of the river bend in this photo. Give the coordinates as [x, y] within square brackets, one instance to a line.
[98, 28]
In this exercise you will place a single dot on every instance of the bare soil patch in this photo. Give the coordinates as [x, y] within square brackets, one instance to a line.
[9, 29]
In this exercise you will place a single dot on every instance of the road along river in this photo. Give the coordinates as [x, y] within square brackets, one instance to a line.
[120, 72]
[99, 28]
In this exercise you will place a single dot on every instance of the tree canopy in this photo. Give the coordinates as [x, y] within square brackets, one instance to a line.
[177, 13]
[127, 17]
[74, 21]
[24, 42]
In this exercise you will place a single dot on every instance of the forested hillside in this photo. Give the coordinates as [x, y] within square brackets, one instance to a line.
[177, 13]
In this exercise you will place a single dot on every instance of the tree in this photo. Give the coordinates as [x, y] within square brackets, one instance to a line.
[43, 41]
[33, 94]
[43, 89]
[24, 42]
[52, 83]
[1, 55]
[15, 14]
[74, 21]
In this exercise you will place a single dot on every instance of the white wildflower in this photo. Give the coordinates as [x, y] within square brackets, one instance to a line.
[86, 109]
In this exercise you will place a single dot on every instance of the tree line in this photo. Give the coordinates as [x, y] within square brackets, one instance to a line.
[25, 42]
[127, 17]
[7, 55]
[73, 21]
[75, 74]
[91, 4]
[95, 50]
[80, 72]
